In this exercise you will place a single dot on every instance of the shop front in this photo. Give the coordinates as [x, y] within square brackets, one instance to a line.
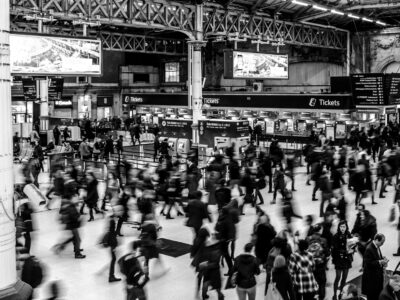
[105, 107]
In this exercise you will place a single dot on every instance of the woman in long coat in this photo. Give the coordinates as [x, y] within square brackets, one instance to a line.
[92, 195]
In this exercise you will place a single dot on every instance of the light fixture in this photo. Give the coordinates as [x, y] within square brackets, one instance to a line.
[381, 23]
[367, 20]
[299, 3]
[321, 8]
[336, 12]
[353, 16]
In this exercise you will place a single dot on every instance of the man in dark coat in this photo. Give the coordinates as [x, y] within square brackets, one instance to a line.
[56, 134]
[392, 290]
[196, 211]
[374, 264]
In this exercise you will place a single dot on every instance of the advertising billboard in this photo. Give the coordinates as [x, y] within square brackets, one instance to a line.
[50, 55]
[260, 65]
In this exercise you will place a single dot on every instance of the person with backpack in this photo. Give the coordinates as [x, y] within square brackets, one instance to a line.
[301, 268]
[135, 277]
[245, 270]
[318, 247]
[279, 182]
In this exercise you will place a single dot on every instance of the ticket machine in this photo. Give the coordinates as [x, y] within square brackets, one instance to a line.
[240, 144]
[222, 143]
[183, 147]
[172, 143]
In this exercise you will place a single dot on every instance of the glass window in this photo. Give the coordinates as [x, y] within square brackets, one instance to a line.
[84, 106]
[172, 72]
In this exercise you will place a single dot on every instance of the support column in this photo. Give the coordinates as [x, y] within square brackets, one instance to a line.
[43, 93]
[10, 287]
[195, 85]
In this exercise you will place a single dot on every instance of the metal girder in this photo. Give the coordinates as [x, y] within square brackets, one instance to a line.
[160, 14]
[313, 17]
[114, 41]
[220, 22]
[136, 43]
[384, 5]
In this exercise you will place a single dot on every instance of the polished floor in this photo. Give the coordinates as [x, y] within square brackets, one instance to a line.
[87, 279]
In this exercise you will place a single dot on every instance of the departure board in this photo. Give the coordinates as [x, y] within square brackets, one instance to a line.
[368, 89]
[29, 89]
[55, 88]
[392, 87]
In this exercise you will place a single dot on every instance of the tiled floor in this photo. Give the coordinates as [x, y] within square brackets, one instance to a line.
[81, 278]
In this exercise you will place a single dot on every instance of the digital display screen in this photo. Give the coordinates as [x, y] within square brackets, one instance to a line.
[368, 89]
[260, 65]
[49, 55]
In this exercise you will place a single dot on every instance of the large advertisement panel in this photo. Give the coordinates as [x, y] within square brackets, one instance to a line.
[260, 65]
[50, 55]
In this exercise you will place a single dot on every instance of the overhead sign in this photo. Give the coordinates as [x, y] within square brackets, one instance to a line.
[65, 102]
[392, 84]
[293, 101]
[256, 65]
[176, 128]
[55, 88]
[50, 55]
[210, 129]
[164, 99]
[29, 89]
[368, 89]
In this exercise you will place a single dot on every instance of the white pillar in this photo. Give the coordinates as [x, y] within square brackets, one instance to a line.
[43, 93]
[44, 104]
[10, 286]
[8, 275]
[196, 76]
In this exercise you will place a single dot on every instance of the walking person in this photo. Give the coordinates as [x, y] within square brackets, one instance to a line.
[197, 254]
[374, 265]
[92, 196]
[263, 235]
[135, 277]
[342, 257]
[71, 218]
[112, 242]
[301, 266]
[196, 212]
[56, 134]
[281, 278]
[245, 270]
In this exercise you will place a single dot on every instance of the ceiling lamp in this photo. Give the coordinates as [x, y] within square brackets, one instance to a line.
[317, 7]
[367, 20]
[300, 3]
[336, 12]
[353, 16]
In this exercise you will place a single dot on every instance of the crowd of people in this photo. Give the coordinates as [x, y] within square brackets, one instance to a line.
[295, 262]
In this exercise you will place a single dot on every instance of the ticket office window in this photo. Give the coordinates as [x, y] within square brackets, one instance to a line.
[172, 72]
[84, 106]
[22, 112]
[104, 112]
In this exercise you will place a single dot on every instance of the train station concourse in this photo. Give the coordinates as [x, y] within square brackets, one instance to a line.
[199, 149]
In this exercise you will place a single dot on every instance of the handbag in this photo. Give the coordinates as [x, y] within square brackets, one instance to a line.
[272, 292]
[392, 213]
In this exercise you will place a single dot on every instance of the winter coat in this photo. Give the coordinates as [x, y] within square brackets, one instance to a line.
[246, 266]
[340, 256]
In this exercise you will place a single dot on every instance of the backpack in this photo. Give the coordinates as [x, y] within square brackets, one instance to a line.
[32, 272]
[317, 251]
